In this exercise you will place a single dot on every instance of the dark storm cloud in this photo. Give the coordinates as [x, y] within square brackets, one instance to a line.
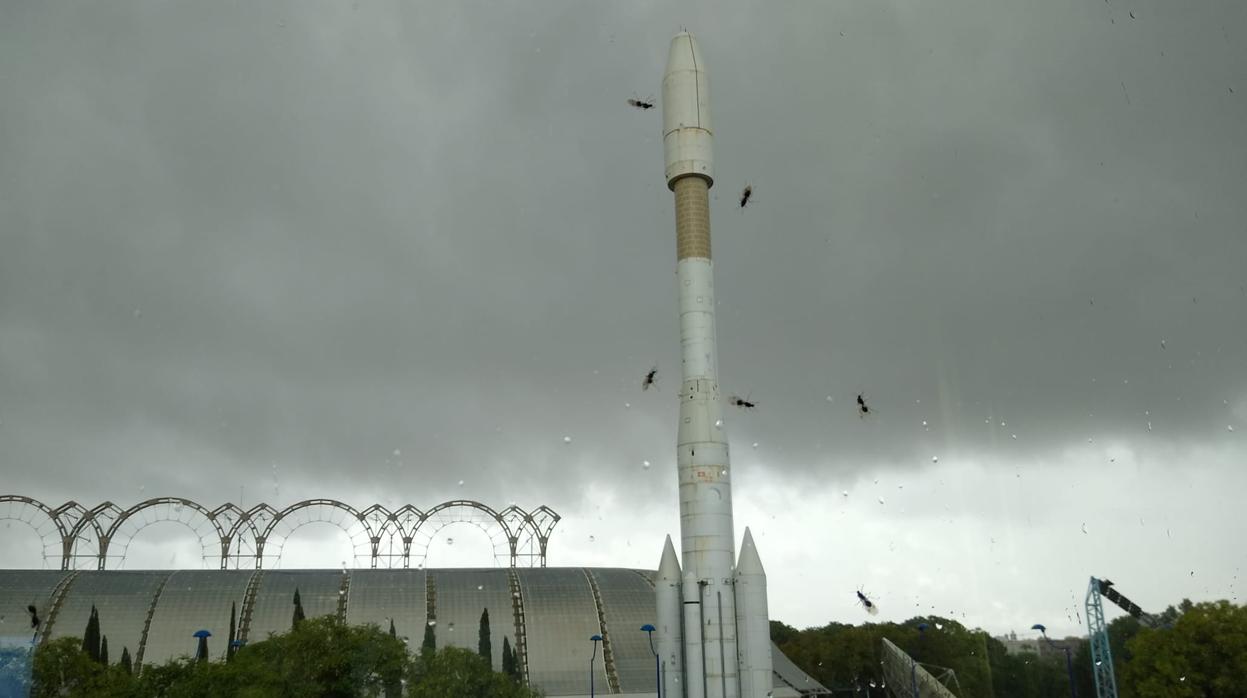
[310, 235]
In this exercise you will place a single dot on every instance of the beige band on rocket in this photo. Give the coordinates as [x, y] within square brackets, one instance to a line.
[692, 217]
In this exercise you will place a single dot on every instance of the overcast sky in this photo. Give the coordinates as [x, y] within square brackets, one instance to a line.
[254, 249]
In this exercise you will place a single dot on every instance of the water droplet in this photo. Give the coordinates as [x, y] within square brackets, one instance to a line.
[627, 405]
[718, 424]
[645, 464]
[1013, 436]
[450, 627]
[987, 421]
[567, 439]
[755, 444]
[480, 587]
[935, 459]
[939, 626]
[845, 493]
[873, 684]
[1149, 426]
[881, 500]
[1084, 527]
[1182, 678]
[450, 541]
[830, 399]
[723, 472]
[924, 423]
[1089, 439]
[1229, 427]
[593, 539]
[398, 452]
[1099, 662]
[461, 483]
[342, 592]
[432, 622]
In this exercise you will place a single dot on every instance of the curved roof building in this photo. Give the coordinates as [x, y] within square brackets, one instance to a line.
[548, 614]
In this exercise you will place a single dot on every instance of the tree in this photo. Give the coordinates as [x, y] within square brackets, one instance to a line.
[299, 616]
[127, 664]
[104, 650]
[91, 636]
[483, 646]
[1203, 654]
[459, 672]
[508, 658]
[393, 632]
[429, 645]
[233, 631]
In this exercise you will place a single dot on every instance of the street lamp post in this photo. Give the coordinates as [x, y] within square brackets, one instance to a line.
[649, 632]
[1069, 661]
[596, 639]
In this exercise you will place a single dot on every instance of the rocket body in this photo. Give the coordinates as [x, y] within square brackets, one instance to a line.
[715, 662]
[706, 540]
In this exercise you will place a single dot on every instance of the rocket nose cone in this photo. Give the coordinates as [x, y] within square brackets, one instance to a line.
[685, 86]
[684, 54]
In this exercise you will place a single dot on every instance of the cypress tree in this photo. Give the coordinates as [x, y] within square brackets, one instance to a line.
[393, 632]
[429, 646]
[298, 610]
[483, 646]
[233, 633]
[91, 637]
[104, 650]
[126, 664]
[508, 658]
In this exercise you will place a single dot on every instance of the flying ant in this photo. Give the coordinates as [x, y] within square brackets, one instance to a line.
[867, 604]
[862, 408]
[745, 195]
[742, 402]
[643, 104]
[650, 378]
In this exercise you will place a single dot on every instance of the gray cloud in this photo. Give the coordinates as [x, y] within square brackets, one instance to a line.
[311, 235]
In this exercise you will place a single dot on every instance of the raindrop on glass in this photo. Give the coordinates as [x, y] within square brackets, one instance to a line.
[924, 424]
[718, 424]
[1084, 527]
[397, 452]
[432, 622]
[567, 439]
[450, 541]
[342, 592]
[830, 399]
[627, 405]
[461, 483]
[935, 459]
[1013, 436]
[1229, 427]
[593, 539]
[881, 500]
[450, 626]
[755, 444]
[939, 626]
[845, 493]
[480, 587]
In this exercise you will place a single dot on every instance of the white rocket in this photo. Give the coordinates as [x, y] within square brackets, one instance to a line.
[713, 630]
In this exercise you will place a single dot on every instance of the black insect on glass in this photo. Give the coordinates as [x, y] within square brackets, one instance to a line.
[746, 195]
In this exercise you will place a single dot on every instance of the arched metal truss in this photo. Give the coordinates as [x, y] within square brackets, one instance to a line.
[230, 537]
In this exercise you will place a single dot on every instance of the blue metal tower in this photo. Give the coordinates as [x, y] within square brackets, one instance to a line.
[1101, 655]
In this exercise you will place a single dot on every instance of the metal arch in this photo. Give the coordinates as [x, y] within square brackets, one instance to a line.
[98, 518]
[254, 520]
[80, 529]
[299, 506]
[44, 536]
[125, 516]
[487, 510]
